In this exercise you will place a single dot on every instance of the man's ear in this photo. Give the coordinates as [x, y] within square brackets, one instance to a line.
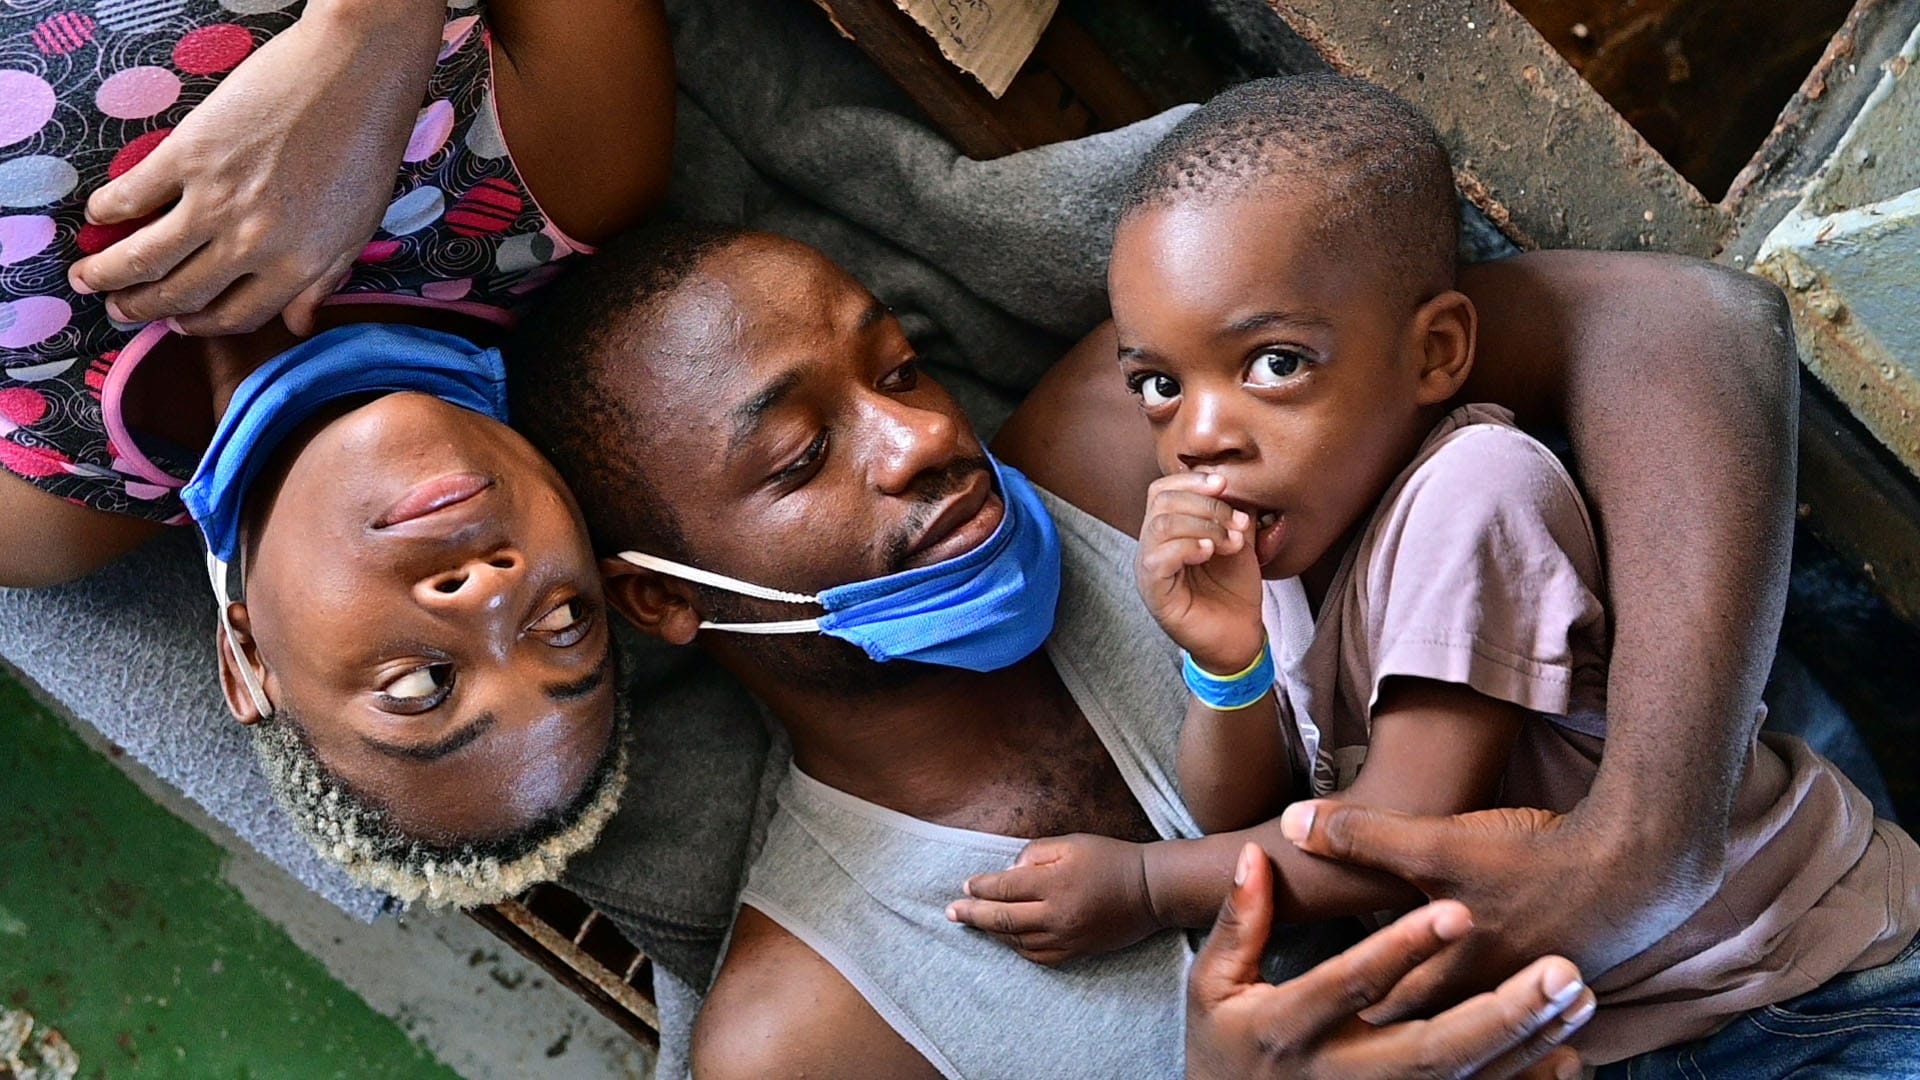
[1443, 333]
[239, 702]
[657, 605]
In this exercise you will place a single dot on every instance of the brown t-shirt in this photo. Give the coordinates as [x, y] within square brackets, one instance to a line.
[1480, 568]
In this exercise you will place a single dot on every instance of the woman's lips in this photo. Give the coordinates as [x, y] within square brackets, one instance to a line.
[433, 496]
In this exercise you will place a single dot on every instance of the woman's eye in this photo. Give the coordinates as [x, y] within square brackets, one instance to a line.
[1275, 366]
[1156, 390]
[565, 624]
[420, 683]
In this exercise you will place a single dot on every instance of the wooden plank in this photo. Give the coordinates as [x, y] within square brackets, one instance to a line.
[1535, 147]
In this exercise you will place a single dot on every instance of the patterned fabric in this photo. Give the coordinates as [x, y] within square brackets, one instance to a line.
[88, 89]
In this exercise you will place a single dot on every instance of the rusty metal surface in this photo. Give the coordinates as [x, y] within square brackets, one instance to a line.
[1804, 136]
[1860, 504]
[581, 952]
[1540, 151]
[1848, 256]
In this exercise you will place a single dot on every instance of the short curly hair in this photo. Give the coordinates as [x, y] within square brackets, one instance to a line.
[1375, 166]
[356, 832]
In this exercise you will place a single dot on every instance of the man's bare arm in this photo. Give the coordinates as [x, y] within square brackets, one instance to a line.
[778, 1010]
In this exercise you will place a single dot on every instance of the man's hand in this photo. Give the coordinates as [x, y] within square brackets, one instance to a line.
[1537, 882]
[1198, 573]
[271, 187]
[1240, 1027]
[1064, 897]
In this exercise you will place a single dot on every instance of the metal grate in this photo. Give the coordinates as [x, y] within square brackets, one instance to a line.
[583, 951]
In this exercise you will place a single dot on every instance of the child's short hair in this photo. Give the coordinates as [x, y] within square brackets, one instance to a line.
[1372, 160]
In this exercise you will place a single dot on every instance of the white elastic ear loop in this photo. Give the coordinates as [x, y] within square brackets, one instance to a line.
[217, 570]
[733, 585]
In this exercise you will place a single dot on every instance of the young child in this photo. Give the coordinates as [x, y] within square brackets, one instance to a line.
[1397, 597]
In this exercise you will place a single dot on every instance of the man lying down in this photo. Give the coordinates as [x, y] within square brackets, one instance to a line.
[752, 442]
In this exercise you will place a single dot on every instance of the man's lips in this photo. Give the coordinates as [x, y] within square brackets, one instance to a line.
[433, 496]
[964, 523]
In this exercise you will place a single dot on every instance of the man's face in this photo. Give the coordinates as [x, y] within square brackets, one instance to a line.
[424, 598]
[786, 421]
[1257, 353]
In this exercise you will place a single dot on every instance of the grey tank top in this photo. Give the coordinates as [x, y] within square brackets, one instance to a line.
[866, 887]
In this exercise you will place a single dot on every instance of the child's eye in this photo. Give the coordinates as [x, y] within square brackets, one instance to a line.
[1272, 367]
[1156, 390]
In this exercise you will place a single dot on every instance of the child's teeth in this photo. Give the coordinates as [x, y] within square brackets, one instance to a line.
[1268, 518]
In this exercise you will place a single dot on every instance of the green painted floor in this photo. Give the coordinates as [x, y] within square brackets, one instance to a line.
[118, 929]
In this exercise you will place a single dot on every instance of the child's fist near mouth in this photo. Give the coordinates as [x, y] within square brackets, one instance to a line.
[1198, 571]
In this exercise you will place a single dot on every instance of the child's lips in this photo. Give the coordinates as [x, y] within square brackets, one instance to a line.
[1269, 538]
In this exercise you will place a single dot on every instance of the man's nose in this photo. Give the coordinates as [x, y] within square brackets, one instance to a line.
[913, 441]
[1207, 432]
[479, 584]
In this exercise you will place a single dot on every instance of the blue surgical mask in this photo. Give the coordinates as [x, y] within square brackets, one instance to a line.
[984, 610]
[283, 392]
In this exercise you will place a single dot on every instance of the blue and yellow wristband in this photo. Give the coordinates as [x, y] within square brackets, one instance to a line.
[1230, 693]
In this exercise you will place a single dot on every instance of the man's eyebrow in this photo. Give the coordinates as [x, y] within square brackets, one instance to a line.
[435, 751]
[748, 415]
[1267, 319]
[875, 312]
[584, 685]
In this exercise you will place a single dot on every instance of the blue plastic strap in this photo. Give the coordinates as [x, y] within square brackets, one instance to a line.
[1230, 693]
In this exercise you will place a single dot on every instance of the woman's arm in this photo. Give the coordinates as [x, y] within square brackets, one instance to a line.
[585, 93]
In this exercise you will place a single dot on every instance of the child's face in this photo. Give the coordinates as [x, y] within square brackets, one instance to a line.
[1258, 353]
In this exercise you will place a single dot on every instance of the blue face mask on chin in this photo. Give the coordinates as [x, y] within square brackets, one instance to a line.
[985, 610]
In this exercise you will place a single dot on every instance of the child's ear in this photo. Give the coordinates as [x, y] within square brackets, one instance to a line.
[657, 605]
[1444, 330]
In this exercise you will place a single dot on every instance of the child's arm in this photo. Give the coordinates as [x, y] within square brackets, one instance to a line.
[1233, 766]
[1437, 748]
[1198, 575]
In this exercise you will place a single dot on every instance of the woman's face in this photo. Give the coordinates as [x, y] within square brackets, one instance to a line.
[421, 594]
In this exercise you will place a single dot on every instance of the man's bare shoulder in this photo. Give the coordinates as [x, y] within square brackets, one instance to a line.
[778, 1009]
[1081, 435]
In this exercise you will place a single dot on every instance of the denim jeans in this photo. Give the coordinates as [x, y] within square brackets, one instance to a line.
[1860, 1026]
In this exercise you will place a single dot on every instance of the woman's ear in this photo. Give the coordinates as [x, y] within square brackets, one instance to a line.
[657, 605]
[240, 701]
[1444, 330]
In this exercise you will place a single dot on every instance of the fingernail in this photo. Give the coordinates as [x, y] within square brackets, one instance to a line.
[1245, 864]
[1240, 519]
[114, 312]
[1296, 822]
[953, 913]
[967, 887]
[78, 286]
[173, 327]
[1580, 1015]
[1562, 997]
[1454, 923]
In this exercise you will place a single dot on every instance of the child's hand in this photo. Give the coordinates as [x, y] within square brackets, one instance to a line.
[1198, 573]
[1064, 897]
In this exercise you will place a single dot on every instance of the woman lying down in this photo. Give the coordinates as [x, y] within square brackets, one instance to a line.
[400, 576]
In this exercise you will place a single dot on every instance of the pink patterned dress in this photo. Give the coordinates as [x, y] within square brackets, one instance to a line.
[87, 89]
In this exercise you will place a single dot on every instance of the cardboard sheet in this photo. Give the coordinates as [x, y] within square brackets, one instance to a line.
[988, 39]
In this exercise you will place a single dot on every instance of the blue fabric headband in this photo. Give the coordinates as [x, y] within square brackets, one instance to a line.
[362, 359]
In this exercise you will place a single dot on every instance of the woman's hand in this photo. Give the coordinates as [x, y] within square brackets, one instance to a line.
[1239, 1026]
[270, 188]
[1064, 897]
